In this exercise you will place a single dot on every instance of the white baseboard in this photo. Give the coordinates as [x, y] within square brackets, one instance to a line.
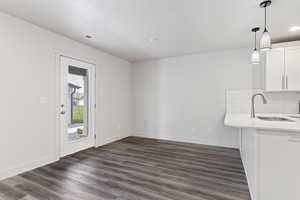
[13, 171]
[110, 140]
[6, 173]
[180, 140]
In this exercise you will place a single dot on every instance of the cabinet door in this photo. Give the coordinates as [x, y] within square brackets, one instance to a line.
[293, 167]
[274, 70]
[292, 63]
[278, 166]
[249, 161]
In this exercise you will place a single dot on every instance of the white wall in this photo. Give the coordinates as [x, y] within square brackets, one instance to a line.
[183, 98]
[28, 72]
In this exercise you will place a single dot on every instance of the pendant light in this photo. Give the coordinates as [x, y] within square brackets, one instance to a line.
[265, 41]
[255, 58]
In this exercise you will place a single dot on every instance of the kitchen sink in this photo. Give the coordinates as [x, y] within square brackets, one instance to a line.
[274, 119]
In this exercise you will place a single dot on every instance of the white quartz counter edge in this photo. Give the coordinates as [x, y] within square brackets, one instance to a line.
[244, 121]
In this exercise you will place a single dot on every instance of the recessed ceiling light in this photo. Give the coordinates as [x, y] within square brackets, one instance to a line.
[294, 28]
[153, 39]
[88, 36]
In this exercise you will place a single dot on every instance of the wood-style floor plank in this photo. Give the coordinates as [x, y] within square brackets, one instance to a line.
[136, 169]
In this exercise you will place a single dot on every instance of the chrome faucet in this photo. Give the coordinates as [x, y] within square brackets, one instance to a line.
[252, 102]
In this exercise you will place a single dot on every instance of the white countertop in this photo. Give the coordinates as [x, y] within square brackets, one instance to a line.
[245, 121]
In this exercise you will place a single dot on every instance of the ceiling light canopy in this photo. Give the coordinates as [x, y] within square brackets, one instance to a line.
[265, 41]
[255, 58]
[153, 39]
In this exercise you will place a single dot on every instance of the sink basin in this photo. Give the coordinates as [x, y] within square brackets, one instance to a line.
[274, 119]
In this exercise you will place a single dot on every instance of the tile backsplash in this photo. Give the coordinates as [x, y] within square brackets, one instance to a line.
[239, 102]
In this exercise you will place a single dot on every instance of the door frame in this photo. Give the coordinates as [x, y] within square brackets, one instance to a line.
[58, 54]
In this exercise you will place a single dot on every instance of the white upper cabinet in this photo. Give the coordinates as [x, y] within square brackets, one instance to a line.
[282, 69]
[275, 70]
[292, 70]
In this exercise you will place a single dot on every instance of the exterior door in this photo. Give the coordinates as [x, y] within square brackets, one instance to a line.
[77, 105]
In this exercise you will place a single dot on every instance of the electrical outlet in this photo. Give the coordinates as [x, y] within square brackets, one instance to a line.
[193, 130]
[118, 127]
[43, 100]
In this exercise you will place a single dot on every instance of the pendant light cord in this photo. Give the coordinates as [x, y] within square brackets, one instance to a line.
[266, 19]
[255, 42]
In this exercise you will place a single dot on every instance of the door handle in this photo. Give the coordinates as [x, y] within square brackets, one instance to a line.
[286, 82]
[62, 112]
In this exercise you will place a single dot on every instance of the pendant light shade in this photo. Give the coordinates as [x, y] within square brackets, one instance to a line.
[265, 41]
[255, 58]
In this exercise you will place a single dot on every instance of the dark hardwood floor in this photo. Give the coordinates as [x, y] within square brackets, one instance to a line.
[136, 168]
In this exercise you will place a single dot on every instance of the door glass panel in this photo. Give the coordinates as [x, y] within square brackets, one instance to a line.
[77, 103]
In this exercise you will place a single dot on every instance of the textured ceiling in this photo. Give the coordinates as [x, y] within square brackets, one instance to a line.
[145, 29]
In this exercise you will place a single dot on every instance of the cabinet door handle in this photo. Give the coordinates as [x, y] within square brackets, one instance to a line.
[283, 82]
[286, 82]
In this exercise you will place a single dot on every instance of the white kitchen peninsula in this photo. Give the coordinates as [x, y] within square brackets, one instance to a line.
[270, 152]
